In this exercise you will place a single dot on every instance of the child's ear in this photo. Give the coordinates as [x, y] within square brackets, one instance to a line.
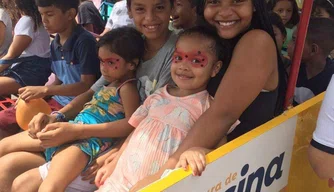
[72, 13]
[133, 64]
[216, 68]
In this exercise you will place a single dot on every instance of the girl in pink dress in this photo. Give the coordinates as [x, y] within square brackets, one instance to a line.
[166, 116]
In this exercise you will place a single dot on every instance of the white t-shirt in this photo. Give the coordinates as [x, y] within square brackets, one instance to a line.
[5, 19]
[119, 16]
[323, 136]
[40, 44]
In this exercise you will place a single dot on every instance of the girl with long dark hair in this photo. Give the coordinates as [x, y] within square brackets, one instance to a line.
[27, 61]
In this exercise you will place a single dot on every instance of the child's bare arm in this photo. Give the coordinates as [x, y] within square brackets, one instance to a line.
[75, 89]
[72, 109]
[121, 128]
[19, 44]
[72, 89]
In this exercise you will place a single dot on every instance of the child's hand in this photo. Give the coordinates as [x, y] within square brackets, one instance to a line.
[103, 173]
[111, 157]
[90, 173]
[38, 123]
[33, 92]
[195, 158]
[56, 134]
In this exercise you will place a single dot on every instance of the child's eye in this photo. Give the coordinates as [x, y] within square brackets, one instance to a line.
[110, 63]
[139, 9]
[196, 61]
[178, 58]
[212, 2]
[160, 7]
[237, 1]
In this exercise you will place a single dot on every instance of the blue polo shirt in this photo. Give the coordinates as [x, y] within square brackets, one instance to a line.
[78, 56]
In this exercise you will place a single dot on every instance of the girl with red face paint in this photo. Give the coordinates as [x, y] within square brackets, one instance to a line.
[165, 118]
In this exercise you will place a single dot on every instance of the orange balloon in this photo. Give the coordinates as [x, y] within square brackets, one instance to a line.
[25, 111]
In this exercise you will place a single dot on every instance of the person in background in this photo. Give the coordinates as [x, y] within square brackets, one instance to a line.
[280, 36]
[89, 17]
[13, 12]
[6, 30]
[184, 14]
[288, 11]
[325, 9]
[119, 17]
[27, 62]
[321, 150]
[316, 68]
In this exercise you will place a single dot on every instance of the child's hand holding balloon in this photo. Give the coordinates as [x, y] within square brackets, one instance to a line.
[25, 112]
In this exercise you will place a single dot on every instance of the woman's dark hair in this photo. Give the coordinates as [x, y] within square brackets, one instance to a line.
[218, 47]
[328, 5]
[295, 15]
[126, 42]
[260, 20]
[29, 8]
[128, 3]
[277, 22]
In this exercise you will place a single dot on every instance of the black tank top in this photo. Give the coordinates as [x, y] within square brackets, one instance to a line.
[261, 110]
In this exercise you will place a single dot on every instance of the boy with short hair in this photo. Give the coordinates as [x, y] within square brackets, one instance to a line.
[74, 60]
[316, 69]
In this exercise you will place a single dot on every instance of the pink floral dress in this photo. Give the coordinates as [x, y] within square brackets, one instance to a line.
[162, 123]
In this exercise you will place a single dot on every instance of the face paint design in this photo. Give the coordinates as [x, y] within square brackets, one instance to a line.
[112, 63]
[197, 59]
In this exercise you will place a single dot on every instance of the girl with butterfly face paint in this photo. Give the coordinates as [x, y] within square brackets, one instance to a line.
[193, 64]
